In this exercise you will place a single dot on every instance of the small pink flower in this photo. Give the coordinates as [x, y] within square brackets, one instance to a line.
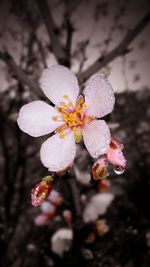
[71, 118]
[115, 156]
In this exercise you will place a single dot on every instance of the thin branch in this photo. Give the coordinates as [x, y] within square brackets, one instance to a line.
[57, 48]
[20, 74]
[120, 49]
[70, 31]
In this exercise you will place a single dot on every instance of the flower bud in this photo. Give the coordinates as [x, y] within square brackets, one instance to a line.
[91, 238]
[104, 185]
[41, 190]
[99, 170]
[68, 217]
[101, 227]
[115, 155]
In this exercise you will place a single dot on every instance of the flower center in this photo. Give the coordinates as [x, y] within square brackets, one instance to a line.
[73, 117]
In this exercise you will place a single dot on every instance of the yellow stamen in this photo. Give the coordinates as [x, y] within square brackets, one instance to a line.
[63, 104]
[74, 128]
[55, 118]
[80, 111]
[71, 104]
[84, 105]
[66, 96]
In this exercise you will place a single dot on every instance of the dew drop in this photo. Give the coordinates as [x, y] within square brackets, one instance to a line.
[97, 153]
[119, 170]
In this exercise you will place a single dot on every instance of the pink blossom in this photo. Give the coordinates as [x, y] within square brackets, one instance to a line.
[115, 155]
[71, 119]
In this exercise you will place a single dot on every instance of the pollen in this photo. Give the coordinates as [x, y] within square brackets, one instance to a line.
[66, 96]
[63, 104]
[80, 111]
[71, 104]
[55, 118]
[62, 136]
[74, 129]
[84, 105]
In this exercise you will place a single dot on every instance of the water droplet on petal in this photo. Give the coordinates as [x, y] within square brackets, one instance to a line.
[96, 153]
[119, 170]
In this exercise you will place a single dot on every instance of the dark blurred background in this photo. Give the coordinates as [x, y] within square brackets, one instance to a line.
[111, 36]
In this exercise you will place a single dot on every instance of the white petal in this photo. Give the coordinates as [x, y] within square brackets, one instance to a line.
[61, 241]
[56, 153]
[96, 136]
[97, 206]
[58, 81]
[36, 118]
[99, 96]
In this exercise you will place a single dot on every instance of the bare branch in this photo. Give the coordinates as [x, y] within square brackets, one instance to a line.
[119, 50]
[20, 74]
[70, 31]
[45, 11]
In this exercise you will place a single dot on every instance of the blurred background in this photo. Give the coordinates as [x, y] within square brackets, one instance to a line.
[88, 36]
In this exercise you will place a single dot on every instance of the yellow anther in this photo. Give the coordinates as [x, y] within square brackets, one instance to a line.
[62, 136]
[84, 105]
[55, 118]
[66, 96]
[80, 111]
[71, 104]
[63, 104]
[79, 122]
[64, 116]
[79, 102]
[74, 128]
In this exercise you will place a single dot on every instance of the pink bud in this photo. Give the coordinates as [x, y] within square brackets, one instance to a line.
[101, 227]
[68, 217]
[115, 155]
[43, 218]
[41, 191]
[99, 169]
[104, 185]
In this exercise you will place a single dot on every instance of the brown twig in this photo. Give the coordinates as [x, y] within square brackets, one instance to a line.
[20, 74]
[70, 31]
[120, 49]
[57, 48]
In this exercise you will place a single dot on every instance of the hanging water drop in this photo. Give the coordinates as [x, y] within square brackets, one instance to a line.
[119, 170]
